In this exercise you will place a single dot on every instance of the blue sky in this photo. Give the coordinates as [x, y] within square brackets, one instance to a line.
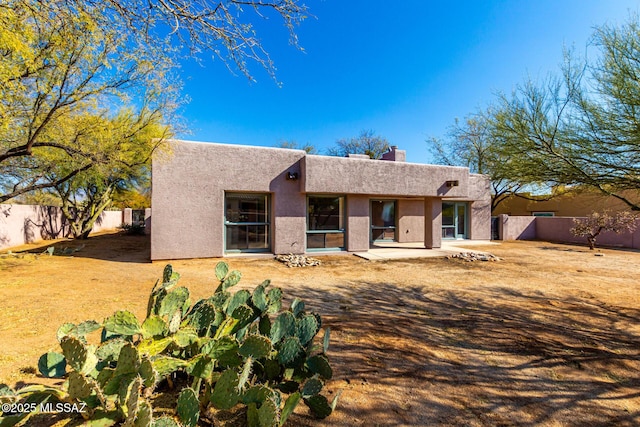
[405, 69]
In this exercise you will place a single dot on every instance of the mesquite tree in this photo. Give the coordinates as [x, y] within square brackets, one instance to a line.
[596, 223]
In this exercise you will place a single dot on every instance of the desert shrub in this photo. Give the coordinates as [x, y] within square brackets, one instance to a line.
[134, 229]
[237, 351]
[597, 222]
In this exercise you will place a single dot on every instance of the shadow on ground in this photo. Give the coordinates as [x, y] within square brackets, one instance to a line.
[495, 357]
[119, 247]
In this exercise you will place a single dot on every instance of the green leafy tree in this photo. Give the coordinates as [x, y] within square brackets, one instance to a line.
[366, 143]
[62, 73]
[127, 146]
[471, 143]
[293, 145]
[580, 127]
[61, 59]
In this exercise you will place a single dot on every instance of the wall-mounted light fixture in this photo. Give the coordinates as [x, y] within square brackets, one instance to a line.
[292, 176]
[453, 183]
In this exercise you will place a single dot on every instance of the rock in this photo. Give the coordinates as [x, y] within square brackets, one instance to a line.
[292, 260]
[473, 256]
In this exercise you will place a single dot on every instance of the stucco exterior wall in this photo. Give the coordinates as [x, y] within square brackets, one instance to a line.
[558, 229]
[480, 207]
[517, 227]
[410, 226]
[188, 197]
[188, 192]
[358, 221]
[20, 224]
[382, 178]
[433, 232]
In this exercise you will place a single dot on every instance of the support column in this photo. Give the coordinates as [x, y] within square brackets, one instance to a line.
[127, 218]
[357, 223]
[147, 221]
[432, 223]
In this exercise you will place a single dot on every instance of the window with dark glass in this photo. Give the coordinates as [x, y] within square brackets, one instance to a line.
[325, 222]
[247, 222]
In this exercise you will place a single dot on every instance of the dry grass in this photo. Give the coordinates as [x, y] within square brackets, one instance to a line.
[550, 336]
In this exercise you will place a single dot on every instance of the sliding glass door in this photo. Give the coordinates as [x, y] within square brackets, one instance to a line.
[454, 220]
[247, 225]
[383, 220]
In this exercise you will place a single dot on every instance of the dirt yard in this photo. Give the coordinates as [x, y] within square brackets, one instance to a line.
[549, 336]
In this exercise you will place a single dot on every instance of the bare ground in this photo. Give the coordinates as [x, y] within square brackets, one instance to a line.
[549, 336]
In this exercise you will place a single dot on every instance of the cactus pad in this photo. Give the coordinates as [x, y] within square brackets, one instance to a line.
[173, 301]
[204, 316]
[319, 364]
[174, 322]
[78, 356]
[145, 414]
[232, 279]
[275, 300]
[289, 405]
[188, 407]
[154, 326]
[306, 328]
[239, 298]
[245, 373]
[283, 326]
[165, 365]
[131, 400]
[290, 351]
[297, 307]
[222, 268]
[268, 414]
[147, 372]
[152, 346]
[52, 365]
[259, 298]
[122, 323]
[255, 346]
[325, 340]
[319, 406]
[312, 387]
[165, 422]
[225, 393]
[109, 350]
[79, 386]
[128, 360]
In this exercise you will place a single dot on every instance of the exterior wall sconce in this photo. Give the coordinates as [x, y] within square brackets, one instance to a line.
[453, 183]
[292, 176]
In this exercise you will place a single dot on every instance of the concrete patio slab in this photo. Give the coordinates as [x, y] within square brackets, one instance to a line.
[392, 250]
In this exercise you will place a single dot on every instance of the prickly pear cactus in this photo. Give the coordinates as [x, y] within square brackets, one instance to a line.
[225, 394]
[188, 407]
[234, 348]
[52, 365]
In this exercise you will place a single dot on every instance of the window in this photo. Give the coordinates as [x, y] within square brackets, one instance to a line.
[247, 227]
[325, 222]
[543, 214]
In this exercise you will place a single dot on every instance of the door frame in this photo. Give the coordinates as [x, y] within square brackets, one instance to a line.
[395, 221]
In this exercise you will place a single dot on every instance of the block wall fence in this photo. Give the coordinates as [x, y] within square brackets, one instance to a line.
[557, 229]
[21, 224]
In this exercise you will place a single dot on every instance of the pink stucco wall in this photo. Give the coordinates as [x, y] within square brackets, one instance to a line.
[557, 229]
[20, 224]
[188, 191]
